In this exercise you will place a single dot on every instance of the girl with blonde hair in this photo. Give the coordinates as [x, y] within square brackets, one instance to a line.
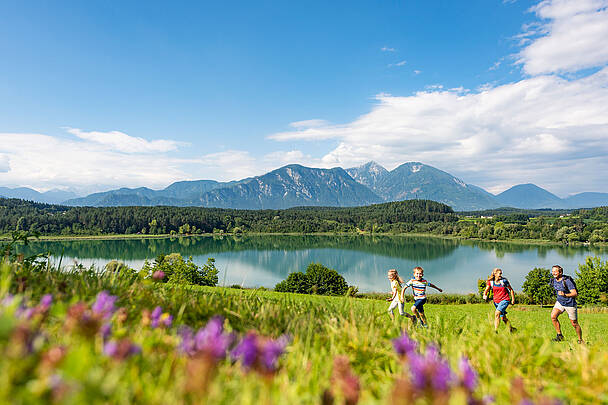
[396, 298]
[501, 288]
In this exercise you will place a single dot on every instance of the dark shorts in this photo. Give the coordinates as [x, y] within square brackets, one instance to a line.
[502, 307]
[419, 304]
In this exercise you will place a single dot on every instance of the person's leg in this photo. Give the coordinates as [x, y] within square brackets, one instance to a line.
[422, 316]
[555, 313]
[573, 315]
[390, 310]
[496, 319]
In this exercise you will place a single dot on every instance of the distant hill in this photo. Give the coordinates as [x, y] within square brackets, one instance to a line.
[291, 186]
[296, 185]
[49, 197]
[415, 180]
[369, 174]
[529, 196]
[587, 200]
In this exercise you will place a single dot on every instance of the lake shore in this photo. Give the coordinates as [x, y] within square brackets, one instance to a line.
[536, 242]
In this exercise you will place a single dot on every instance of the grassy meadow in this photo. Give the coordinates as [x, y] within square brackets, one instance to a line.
[331, 350]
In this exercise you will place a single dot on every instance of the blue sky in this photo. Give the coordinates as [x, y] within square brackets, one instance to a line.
[99, 95]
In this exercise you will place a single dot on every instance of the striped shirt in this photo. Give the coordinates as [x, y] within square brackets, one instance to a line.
[418, 288]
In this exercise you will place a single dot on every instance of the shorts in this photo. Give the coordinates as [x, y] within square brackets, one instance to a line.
[572, 311]
[396, 304]
[419, 305]
[502, 307]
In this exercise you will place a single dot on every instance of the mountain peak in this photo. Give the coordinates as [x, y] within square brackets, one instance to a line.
[528, 196]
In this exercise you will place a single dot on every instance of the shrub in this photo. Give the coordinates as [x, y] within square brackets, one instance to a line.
[179, 271]
[318, 279]
[295, 282]
[592, 281]
[325, 281]
[481, 286]
[536, 286]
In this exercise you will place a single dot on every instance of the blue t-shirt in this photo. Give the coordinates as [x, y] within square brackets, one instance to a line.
[559, 286]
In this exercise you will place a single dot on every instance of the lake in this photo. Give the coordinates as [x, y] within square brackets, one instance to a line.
[253, 261]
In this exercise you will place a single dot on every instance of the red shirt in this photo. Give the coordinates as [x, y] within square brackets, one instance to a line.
[500, 290]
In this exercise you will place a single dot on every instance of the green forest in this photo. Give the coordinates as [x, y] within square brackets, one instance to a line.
[412, 216]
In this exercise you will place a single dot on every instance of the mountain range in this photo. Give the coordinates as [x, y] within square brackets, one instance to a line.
[296, 185]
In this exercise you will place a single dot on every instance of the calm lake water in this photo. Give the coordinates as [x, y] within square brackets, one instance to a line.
[254, 261]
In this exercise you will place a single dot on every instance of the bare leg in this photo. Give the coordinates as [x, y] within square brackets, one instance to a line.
[422, 317]
[496, 320]
[578, 329]
[554, 314]
[508, 323]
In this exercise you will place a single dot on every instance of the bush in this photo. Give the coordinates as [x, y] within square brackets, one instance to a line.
[325, 281]
[481, 286]
[179, 271]
[536, 286]
[592, 281]
[318, 279]
[295, 282]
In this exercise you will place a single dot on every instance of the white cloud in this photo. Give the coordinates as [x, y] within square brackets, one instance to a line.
[571, 37]
[308, 123]
[387, 49]
[230, 165]
[417, 72]
[119, 141]
[45, 162]
[4, 163]
[538, 129]
[398, 64]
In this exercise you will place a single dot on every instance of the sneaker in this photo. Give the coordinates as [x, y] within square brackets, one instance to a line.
[513, 330]
[424, 325]
[558, 338]
[580, 342]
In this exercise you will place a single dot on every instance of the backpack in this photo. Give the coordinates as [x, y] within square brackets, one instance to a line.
[564, 278]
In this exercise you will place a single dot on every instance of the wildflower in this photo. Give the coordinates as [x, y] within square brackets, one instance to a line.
[121, 349]
[104, 305]
[247, 350]
[344, 380]
[46, 301]
[260, 353]
[7, 300]
[155, 316]
[158, 275]
[212, 339]
[105, 331]
[430, 371]
[404, 345]
[468, 376]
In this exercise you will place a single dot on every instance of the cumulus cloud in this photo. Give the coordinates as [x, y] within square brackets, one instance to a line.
[536, 129]
[44, 162]
[230, 165]
[308, 123]
[122, 142]
[571, 36]
[4, 164]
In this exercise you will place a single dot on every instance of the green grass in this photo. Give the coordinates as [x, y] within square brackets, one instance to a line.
[321, 328]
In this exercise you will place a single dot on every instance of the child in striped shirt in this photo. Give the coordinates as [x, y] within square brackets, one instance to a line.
[419, 285]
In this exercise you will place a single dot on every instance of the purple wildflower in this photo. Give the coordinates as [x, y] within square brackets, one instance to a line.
[104, 305]
[166, 320]
[526, 401]
[404, 345]
[158, 275]
[442, 378]
[271, 351]
[7, 300]
[155, 316]
[46, 301]
[187, 344]
[210, 339]
[120, 350]
[468, 375]
[105, 331]
[430, 370]
[247, 350]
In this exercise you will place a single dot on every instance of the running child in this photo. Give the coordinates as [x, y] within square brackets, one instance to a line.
[501, 288]
[419, 285]
[396, 298]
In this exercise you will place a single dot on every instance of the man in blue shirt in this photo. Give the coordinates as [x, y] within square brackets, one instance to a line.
[566, 301]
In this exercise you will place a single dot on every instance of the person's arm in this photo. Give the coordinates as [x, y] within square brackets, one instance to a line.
[435, 287]
[403, 292]
[512, 295]
[393, 296]
[573, 293]
[485, 292]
